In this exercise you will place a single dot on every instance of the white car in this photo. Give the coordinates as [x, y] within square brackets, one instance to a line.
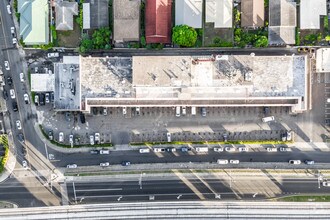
[71, 139]
[218, 149]
[18, 125]
[169, 137]
[234, 161]
[104, 152]
[12, 93]
[124, 111]
[184, 110]
[271, 149]
[21, 77]
[91, 139]
[51, 55]
[14, 41]
[294, 162]
[12, 31]
[61, 137]
[71, 166]
[325, 183]
[243, 149]
[230, 149]
[159, 149]
[284, 149]
[26, 98]
[8, 9]
[222, 161]
[289, 135]
[97, 137]
[105, 164]
[47, 97]
[24, 164]
[7, 65]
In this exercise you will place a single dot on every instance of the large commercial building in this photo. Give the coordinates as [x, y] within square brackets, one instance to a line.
[163, 81]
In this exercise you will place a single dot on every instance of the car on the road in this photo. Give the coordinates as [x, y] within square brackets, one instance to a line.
[284, 149]
[271, 149]
[218, 149]
[15, 107]
[221, 161]
[36, 99]
[234, 161]
[71, 166]
[94, 152]
[230, 149]
[159, 149]
[105, 164]
[71, 138]
[169, 137]
[9, 81]
[14, 41]
[91, 139]
[12, 31]
[144, 150]
[125, 163]
[61, 137]
[8, 9]
[203, 111]
[7, 67]
[5, 94]
[47, 97]
[184, 110]
[52, 55]
[170, 149]
[24, 164]
[12, 93]
[309, 162]
[289, 135]
[26, 98]
[50, 135]
[21, 77]
[294, 162]
[20, 137]
[243, 149]
[82, 118]
[18, 125]
[104, 151]
[97, 138]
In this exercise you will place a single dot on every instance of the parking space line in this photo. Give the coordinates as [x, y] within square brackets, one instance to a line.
[96, 190]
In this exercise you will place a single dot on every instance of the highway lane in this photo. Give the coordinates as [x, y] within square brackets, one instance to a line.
[116, 157]
[222, 186]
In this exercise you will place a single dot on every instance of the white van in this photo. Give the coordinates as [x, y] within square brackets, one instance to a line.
[202, 149]
[222, 161]
[193, 110]
[177, 111]
[144, 150]
[268, 119]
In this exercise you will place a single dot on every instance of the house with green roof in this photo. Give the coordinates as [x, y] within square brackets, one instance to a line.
[34, 22]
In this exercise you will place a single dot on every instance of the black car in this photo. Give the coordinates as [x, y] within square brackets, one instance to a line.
[9, 80]
[82, 118]
[5, 94]
[52, 97]
[42, 99]
[94, 152]
[20, 137]
[15, 107]
[125, 163]
[50, 135]
[266, 111]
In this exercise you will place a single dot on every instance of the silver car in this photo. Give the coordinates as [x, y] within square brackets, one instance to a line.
[91, 139]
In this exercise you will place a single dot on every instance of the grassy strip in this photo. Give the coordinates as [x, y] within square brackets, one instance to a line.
[305, 198]
[3, 160]
[210, 142]
[105, 145]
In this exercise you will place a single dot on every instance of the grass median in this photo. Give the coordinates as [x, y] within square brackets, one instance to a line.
[306, 198]
[269, 142]
[4, 158]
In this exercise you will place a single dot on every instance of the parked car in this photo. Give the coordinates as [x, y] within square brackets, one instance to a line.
[289, 135]
[36, 99]
[21, 77]
[243, 149]
[52, 55]
[159, 149]
[266, 111]
[124, 111]
[97, 138]
[8, 9]
[9, 80]
[125, 163]
[14, 41]
[220, 161]
[283, 136]
[61, 137]
[42, 99]
[284, 149]
[309, 162]
[91, 139]
[294, 162]
[7, 67]
[47, 97]
[137, 110]
[82, 118]
[94, 152]
[71, 139]
[218, 149]
[271, 149]
[15, 107]
[184, 110]
[26, 98]
[169, 139]
[234, 161]
[20, 137]
[105, 164]
[5, 94]
[50, 135]
[170, 149]
[12, 93]
[12, 31]
[203, 111]
[230, 149]
[185, 149]
[105, 111]
[104, 151]
[71, 166]
[18, 125]
[24, 164]
[144, 150]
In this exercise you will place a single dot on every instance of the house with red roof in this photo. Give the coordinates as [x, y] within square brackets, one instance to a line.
[158, 21]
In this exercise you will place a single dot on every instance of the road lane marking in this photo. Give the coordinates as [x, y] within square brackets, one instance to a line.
[189, 184]
[96, 190]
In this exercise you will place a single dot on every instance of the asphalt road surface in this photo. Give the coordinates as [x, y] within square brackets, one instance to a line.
[224, 187]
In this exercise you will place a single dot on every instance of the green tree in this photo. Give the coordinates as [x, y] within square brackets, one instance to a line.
[327, 38]
[101, 38]
[86, 44]
[261, 41]
[184, 35]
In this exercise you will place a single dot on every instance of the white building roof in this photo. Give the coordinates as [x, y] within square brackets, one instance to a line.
[42, 82]
[86, 16]
[189, 12]
[220, 12]
[323, 60]
[310, 12]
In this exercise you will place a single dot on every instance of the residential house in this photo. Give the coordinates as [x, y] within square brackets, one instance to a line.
[189, 12]
[310, 12]
[282, 22]
[220, 12]
[126, 20]
[95, 14]
[158, 21]
[34, 21]
[252, 13]
[64, 12]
